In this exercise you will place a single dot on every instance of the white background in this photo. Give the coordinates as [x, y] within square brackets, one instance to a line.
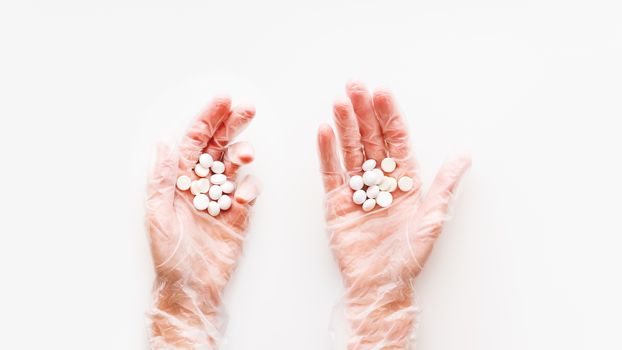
[532, 89]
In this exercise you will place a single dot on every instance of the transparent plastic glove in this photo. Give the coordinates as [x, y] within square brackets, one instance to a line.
[380, 252]
[194, 253]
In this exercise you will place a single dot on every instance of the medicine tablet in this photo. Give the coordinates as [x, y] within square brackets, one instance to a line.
[218, 167]
[203, 185]
[228, 187]
[356, 182]
[218, 179]
[359, 197]
[195, 187]
[369, 204]
[224, 202]
[201, 171]
[392, 184]
[384, 199]
[215, 192]
[405, 183]
[183, 182]
[370, 178]
[206, 160]
[388, 165]
[379, 176]
[369, 164]
[385, 184]
[200, 201]
[372, 191]
[213, 208]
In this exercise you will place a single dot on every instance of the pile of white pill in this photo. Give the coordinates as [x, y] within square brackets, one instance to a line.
[210, 192]
[375, 186]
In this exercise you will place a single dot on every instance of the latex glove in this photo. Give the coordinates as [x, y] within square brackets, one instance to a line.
[194, 253]
[380, 252]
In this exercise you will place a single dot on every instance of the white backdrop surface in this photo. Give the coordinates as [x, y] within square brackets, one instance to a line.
[530, 260]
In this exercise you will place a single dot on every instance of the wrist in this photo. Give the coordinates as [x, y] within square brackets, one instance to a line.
[381, 318]
[183, 317]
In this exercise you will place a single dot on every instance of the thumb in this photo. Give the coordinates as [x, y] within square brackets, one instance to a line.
[436, 203]
[161, 186]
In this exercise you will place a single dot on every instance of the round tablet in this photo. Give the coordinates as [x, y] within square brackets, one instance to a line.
[359, 197]
[206, 160]
[373, 191]
[356, 182]
[201, 171]
[218, 167]
[215, 192]
[183, 182]
[379, 176]
[213, 208]
[218, 179]
[392, 184]
[388, 165]
[369, 204]
[405, 183]
[369, 164]
[370, 178]
[385, 184]
[224, 202]
[384, 199]
[228, 187]
[203, 185]
[200, 201]
[195, 187]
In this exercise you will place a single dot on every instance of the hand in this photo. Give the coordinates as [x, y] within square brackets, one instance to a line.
[380, 252]
[194, 253]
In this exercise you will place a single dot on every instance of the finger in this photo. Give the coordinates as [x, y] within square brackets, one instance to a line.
[247, 191]
[349, 136]
[331, 170]
[202, 130]
[161, 186]
[371, 134]
[236, 155]
[237, 121]
[393, 125]
[436, 203]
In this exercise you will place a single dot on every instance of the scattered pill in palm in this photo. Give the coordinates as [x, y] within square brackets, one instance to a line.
[388, 165]
[369, 204]
[213, 208]
[215, 192]
[359, 197]
[201, 171]
[369, 165]
[200, 201]
[384, 199]
[218, 167]
[184, 182]
[228, 187]
[195, 187]
[405, 183]
[218, 179]
[206, 160]
[372, 191]
[224, 202]
[356, 182]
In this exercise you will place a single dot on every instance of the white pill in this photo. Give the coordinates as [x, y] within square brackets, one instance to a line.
[392, 184]
[369, 164]
[370, 178]
[218, 167]
[369, 204]
[224, 202]
[200, 201]
[213, 208]
[228, 187]
[385, 184]
[372, 191]
[195, 187]
[379, 176]
[184, 182]
[384, 199]
[206, 160]
[215, 192]
[201, 171]
[218, 179]
[405, 183]
[203, 185]
[388, 165]
[356, 182]
[359, 197]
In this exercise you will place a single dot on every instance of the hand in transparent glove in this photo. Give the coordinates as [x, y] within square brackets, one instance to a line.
[194, 253]
[380, 252]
